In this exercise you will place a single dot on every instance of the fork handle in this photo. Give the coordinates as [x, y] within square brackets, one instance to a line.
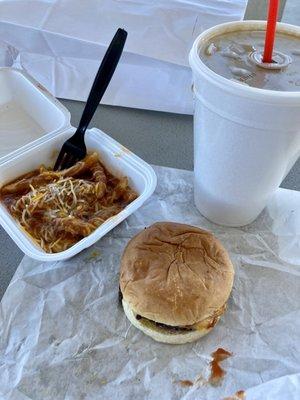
[102, 79]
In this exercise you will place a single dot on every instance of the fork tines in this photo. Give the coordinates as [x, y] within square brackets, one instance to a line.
[68, 156]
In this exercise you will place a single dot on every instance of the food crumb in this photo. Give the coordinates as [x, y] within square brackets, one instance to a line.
[41, 87]
[123, 150]
[103, 382]
[185, 383]
[239, 395]
[94, 254]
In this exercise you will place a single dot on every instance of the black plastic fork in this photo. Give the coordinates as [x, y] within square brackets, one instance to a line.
[74, 149]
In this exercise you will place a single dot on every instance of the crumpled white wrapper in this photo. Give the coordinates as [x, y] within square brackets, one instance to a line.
[61, 42]
[65, 336]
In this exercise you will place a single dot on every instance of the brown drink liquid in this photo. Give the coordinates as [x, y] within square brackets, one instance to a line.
[229, 55]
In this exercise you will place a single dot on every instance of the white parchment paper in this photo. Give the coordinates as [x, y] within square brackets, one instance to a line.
[65, 336]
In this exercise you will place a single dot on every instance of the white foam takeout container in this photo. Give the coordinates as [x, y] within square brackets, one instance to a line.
[26, 107]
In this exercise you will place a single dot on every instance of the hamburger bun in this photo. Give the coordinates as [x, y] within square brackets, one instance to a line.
[175, 281]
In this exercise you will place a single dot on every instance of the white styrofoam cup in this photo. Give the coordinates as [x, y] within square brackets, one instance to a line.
[245, 139]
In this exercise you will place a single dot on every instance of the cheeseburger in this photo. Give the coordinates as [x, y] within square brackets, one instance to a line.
[175, 281]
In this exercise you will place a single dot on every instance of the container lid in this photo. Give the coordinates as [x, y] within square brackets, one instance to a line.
[28, 113]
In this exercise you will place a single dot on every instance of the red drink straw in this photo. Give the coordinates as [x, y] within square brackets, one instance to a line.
[270, 32]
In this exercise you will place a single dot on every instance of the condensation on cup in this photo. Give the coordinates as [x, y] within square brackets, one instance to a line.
[247, 118]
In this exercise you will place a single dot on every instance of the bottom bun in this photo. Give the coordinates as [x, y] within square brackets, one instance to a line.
[161, 334]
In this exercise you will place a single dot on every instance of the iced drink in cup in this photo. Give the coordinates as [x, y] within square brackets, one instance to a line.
[247, 118]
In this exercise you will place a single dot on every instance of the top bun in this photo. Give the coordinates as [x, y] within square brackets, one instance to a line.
[175, 274]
